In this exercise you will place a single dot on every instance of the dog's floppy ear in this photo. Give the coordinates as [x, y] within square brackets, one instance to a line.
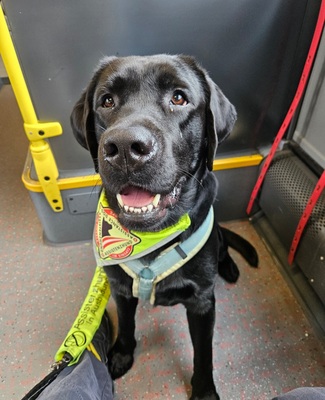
[220, 119]
[220, 113]
[83, 124]
[82, 117]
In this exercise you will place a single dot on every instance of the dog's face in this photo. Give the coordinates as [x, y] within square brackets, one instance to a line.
[152, 125]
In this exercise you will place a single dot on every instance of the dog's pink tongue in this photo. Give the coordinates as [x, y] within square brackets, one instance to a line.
[136, 197]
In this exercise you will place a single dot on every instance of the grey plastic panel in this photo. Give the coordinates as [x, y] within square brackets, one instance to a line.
[254, 50]
[235, 187]
[75, 223]
[82, 203]
[310, 130]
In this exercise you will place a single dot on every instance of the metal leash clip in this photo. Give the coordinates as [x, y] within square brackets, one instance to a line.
[58, 365]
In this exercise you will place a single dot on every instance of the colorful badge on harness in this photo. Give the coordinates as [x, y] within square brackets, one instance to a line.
[113, 243]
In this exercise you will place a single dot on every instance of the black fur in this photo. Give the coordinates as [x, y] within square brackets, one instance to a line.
[154, 123]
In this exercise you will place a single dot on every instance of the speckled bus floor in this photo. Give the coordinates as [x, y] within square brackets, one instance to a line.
[263, 343]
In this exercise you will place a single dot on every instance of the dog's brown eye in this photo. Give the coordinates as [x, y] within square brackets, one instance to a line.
[108, 102]
[178, 99]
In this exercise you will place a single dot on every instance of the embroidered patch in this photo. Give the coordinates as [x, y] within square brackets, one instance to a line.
[115, 244]
[113, 240]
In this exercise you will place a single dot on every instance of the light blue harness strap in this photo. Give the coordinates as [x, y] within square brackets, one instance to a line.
[145, 277]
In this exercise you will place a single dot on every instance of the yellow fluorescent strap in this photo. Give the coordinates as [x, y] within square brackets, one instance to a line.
[88, 320]
[36, 131]
[94, 180]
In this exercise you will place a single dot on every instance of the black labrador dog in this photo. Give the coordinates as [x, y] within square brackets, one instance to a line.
[152, 125]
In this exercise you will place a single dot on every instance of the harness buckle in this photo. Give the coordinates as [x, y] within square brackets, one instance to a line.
[145, 282]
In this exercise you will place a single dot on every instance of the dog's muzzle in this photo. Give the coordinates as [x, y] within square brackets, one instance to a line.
[129, 149]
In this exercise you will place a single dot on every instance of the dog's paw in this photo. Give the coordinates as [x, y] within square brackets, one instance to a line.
[203, 388]
[212, 395]
[120, 360]
[119, 364]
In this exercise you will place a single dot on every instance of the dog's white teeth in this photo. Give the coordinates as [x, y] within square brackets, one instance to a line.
[156, 200]
[139, 210]
[119, 199]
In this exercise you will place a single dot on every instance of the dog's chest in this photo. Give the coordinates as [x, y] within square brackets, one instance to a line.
[114, 248]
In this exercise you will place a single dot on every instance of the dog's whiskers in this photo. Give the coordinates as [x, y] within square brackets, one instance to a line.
[102, 128]
[95, 186]
[190, 176]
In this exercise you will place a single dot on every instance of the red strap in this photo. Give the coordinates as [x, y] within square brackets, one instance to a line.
[305, 216]
[294, 104]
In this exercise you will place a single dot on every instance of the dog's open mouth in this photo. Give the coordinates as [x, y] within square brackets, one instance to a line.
[136, 201]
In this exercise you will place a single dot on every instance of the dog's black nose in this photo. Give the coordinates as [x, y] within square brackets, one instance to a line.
[129, 149]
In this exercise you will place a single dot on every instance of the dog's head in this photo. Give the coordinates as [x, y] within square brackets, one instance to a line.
[152, 125]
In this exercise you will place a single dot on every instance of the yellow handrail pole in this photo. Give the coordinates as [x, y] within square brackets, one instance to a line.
[17, 81]
[36, 131]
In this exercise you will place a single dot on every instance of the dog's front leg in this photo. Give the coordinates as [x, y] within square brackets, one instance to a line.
[120, 358]
[201, 329]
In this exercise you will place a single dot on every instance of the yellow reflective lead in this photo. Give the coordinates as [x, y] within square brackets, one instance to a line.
[88, 319]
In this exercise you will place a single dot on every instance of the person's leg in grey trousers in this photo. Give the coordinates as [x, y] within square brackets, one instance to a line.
[87, 380]
[305, 393]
